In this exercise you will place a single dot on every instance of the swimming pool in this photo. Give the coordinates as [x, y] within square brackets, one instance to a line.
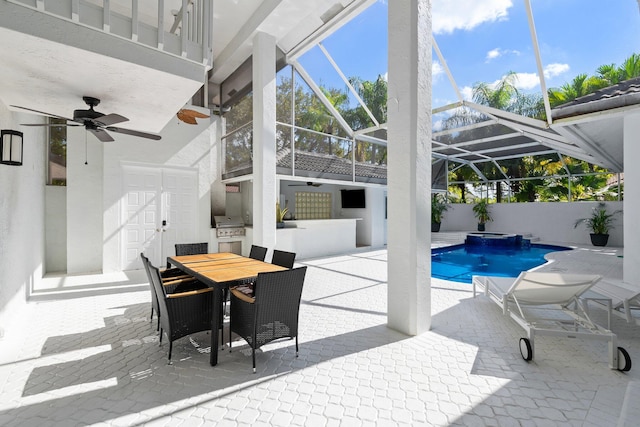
[460, 262]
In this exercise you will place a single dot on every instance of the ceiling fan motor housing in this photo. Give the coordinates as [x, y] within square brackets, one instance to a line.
[90, 114]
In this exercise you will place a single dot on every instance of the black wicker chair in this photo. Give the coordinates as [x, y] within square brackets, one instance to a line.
[258, 252]
[183, 313]
[271, 313]
[191, 249]
[173, 280]
[283, 259]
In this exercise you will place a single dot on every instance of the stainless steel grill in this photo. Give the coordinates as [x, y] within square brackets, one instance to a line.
[229, 226]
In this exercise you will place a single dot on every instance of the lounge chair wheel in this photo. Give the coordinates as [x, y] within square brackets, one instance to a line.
[525, 349]
[624, 360]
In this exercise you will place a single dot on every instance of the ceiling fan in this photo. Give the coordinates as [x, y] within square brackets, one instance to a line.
[190, 116]
[95, 122]
[308, 184]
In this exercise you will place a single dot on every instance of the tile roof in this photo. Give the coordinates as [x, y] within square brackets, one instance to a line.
[321, 165]
[620, 95]
[330, 164]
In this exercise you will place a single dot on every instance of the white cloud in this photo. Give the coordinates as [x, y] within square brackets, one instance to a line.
[526, 81]
[449, 16]
[436, 70]
[493, 54]
[467, 93]
[553, 70]
[497, 52]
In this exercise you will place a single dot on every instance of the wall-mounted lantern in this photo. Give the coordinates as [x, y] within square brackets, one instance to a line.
[10, 147]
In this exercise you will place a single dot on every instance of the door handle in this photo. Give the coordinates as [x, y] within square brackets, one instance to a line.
[164, 224]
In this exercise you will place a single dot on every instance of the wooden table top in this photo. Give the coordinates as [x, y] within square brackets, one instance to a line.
[222, 267]
[188, 259]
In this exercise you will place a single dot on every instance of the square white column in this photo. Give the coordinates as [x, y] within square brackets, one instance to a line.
[631, 203]
[409, 166]
[265, 194]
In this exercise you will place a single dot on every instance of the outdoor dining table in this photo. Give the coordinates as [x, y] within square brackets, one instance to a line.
[218, 271]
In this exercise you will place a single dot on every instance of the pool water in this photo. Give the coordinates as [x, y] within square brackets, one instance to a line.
[460, 262]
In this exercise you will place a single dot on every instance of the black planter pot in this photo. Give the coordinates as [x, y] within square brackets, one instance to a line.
[279, 224]
[435, 227]
[480, 227]
[599, 239]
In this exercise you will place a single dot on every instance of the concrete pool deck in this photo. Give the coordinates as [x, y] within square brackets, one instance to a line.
[94, 359]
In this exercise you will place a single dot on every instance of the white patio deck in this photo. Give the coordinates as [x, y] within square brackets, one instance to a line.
[93, 358]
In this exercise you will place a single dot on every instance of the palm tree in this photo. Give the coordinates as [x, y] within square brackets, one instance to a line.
[374, 96]
[606, 75]
[581, 85]
[609, 73]
[500, 95]
[630, 68]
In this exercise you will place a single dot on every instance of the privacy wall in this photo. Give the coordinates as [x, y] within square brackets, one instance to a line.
[551, 222]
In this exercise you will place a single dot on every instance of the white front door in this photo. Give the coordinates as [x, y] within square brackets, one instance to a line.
[179, 208]
[159, 210]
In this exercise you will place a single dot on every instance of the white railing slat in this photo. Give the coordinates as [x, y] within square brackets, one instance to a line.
[134, 20]
[192, 24]
[75, 10]
[184, 31]
[160, 24]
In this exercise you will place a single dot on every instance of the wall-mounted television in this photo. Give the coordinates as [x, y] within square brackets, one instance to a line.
[352, 199]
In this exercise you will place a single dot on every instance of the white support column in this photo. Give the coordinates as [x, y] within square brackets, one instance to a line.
[631, 203]
[85, 197]
[409, 166]
[265, 193]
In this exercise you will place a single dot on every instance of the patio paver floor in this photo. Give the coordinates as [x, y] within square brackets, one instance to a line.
[95, 360]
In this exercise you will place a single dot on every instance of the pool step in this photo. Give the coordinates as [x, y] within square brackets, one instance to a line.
[448, 238]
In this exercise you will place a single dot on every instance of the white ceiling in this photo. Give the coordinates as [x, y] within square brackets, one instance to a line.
[52, 76]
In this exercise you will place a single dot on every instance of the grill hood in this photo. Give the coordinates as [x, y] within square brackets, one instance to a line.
[228, 221]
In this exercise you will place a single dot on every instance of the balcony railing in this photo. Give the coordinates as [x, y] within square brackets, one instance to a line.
[317, 155]
[178, 27]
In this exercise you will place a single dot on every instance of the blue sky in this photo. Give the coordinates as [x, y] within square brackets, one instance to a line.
[483, 40]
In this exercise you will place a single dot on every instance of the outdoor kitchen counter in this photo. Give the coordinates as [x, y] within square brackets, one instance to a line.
[317, 237]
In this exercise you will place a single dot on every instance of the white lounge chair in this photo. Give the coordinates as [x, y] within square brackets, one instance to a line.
[618, 297]
[556, 295]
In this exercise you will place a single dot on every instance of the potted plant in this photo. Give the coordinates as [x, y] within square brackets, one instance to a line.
[481, 212]
[438, 207]
[280, 213]
[599, 223]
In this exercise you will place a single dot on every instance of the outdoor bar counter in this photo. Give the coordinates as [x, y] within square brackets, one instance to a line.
[317, 237]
